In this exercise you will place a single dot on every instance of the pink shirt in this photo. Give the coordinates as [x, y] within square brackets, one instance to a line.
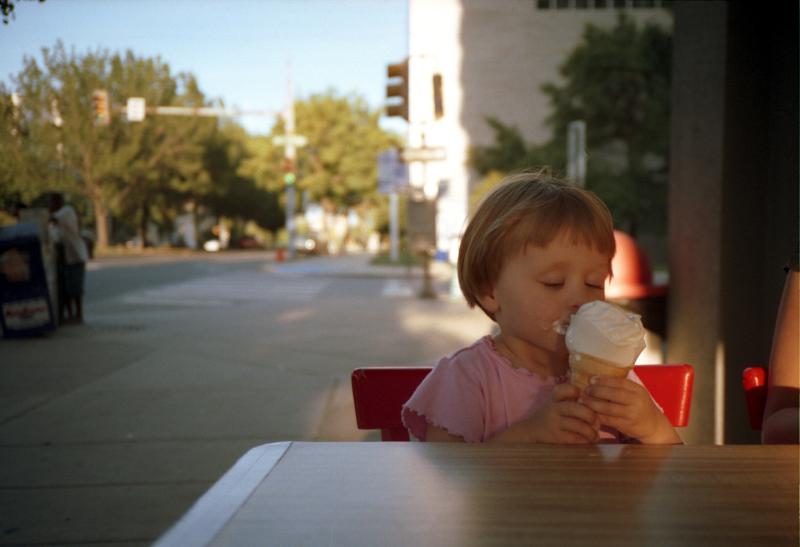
[475, 393]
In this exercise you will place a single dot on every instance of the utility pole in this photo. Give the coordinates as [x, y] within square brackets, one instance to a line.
[289, 155]
[290, 142]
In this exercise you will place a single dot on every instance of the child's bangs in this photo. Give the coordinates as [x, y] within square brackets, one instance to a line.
[580, 222]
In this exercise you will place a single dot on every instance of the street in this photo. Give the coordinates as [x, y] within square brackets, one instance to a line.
[110, 430]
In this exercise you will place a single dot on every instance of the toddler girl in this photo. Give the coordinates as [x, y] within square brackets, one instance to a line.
[535, 250]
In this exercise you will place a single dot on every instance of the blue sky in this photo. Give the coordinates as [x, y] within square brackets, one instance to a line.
[239, 50]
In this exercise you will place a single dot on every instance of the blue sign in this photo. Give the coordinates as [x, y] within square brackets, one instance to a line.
[392, 173]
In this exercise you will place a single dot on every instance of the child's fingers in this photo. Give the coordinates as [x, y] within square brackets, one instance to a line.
[573, 409]
[565, 392]
[579, 419]
[606, 407]
[616, 422]
[621, 395]
[583, 430]
[611, 381]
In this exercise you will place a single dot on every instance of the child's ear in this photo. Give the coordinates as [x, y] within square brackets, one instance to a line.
[488, 301]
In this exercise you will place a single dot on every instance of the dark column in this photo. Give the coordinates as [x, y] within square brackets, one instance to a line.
[733, 207]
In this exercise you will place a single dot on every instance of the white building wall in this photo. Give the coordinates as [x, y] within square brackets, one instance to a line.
[435, 47]
[494, 56]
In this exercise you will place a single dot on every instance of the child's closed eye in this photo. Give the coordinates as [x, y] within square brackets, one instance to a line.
[553, 284]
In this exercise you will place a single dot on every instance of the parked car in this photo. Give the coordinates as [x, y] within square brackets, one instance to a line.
[309, 244]
[248, 242]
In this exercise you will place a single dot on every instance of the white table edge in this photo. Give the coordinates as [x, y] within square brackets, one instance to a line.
[209, 514]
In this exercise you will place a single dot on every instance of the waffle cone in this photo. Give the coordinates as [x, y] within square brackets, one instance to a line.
[583, 367]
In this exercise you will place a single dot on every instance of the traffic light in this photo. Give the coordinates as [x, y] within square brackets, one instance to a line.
[102, 113]
[397, 90]
[289, 176]
[438, 100]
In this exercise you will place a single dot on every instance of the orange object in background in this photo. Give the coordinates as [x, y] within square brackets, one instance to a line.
[633, 277]
[280, 254]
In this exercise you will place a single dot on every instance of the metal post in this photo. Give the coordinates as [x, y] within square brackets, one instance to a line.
[576, 152]
[427, 285]
[290, 154]
[394, 230]
[427, 281]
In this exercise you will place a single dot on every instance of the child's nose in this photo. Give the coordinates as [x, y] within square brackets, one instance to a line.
[574, 307]
[580, 298]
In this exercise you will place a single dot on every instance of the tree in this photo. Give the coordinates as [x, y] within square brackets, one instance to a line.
[53, 140]
[617, 80]
[161, 158]
[339, 162]
[233, 194]
[7, 10]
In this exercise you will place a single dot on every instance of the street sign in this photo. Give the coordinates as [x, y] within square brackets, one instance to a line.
[136, 109]
[437, 153]
[392, 173]
[421, 226]
[298, 140]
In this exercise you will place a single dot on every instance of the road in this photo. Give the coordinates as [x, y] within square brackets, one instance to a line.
[115, 276]
[110, 430]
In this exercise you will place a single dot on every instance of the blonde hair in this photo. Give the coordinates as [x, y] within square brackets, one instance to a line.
[529, 208]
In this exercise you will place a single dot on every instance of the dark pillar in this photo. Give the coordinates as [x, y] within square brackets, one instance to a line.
[733, 207]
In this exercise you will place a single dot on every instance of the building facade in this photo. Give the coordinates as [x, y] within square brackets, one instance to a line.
[493, 57]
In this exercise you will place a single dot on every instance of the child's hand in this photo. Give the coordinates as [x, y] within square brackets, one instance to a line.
[564, 420]
[627, 407]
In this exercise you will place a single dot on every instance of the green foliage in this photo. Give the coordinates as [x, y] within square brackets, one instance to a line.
[509, 152]
[617, 80]
[234, 195]
[135, 172]
[7, 10]
[339, 162]
[153, 171]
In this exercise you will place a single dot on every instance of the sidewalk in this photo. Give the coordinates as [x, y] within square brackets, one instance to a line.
[111, 430]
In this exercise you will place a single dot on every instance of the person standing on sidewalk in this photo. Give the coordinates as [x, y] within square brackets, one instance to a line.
[72, 254]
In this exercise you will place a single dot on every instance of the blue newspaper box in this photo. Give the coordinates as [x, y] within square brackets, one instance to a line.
[25, 300]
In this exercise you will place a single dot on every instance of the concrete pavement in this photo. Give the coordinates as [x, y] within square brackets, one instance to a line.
[109, 431]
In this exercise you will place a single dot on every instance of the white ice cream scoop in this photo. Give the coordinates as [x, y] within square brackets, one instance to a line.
[607, 332]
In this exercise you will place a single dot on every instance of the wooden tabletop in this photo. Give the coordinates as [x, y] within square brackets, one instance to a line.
[455, 494]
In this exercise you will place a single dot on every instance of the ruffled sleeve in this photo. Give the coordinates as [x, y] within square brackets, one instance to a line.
[451, 398]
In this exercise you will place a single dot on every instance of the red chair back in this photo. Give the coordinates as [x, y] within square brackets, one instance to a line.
[754, 382]
[671, 386]
[379, 394]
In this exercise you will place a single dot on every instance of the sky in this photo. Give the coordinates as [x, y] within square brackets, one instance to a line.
[241, 51]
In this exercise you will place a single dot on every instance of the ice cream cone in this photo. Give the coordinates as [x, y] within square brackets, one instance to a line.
[583, 367]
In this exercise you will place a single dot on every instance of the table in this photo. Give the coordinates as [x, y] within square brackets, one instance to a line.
[298, 493]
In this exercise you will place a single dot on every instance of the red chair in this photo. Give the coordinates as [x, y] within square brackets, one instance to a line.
[379, 394]
[754, 382]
